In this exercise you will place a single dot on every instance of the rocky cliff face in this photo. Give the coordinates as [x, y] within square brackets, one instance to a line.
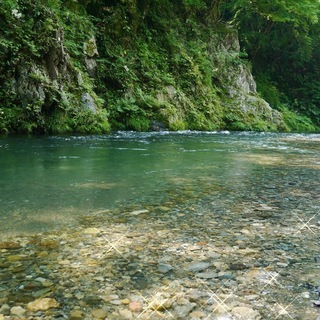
[235, 103]
[53, 82]
[191, 77]
[42, 89]
[241, 97]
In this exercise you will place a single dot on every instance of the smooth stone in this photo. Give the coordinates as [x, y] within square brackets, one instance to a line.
[198, 315]
[226, 275]
[100, 313]
[246, 313]
[196, 295]
[207, 275]
[137, 212]
[214, 255]
[183, 311]
[135, 306]
[126, 314]
[316, 303]
[42, 304]
[76, 314]
[282, 264]
[223, 317]
[198, 266]
[161, 304]
[91, 231]
[40, 293]
[14, 258]
[125, 301]
[164, 268]
[18, 311]
[9, 245]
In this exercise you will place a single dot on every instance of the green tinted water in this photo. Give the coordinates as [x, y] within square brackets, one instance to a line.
[46, 182]
[118, 207]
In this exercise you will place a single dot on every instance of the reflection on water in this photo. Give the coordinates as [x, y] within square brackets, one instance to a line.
[51, 181]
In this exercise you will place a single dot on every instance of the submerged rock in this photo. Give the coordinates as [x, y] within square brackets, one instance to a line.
[42, 304]
[198, 266]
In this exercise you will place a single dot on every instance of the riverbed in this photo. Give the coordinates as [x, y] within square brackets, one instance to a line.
[185, 225]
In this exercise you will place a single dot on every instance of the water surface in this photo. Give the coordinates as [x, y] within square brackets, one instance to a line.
[110, 212]
[46, 182]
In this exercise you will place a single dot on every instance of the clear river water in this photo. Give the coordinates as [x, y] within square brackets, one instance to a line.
[214, 225]
[49, 181]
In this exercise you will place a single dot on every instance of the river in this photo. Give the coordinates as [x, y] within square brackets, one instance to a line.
[234, 192]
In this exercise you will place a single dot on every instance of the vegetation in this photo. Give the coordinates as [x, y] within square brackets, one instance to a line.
[157, 61]
[282, 41]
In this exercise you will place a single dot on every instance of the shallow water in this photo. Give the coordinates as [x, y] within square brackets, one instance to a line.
[137, 214]
[51, 181]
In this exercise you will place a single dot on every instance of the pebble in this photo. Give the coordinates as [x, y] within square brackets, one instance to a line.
[198, 266]
[207, 275]
[138, 212]
[246, 313]
[76, 314]
[161, 304]
[42, 304]
[18, 311]
[125, 301]
[126, 314]
[135, 306]
[225, 264]
[183, 311]
[91, 231]
[164, 268]
[100, 313]
[316, 303]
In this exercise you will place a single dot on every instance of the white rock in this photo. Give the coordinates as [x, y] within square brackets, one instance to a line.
[137, 212]
[246, 313]
[198, 266]
[126, 314]
[18, 311]
[100, 313]
[42, 304]
[91, 231]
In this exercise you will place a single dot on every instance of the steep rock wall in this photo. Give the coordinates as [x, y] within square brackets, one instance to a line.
[140, 66]
[241, 101]
[41, 89]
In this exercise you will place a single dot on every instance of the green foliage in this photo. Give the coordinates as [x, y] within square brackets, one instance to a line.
[282, 40]
[157, 62]
[269, 91]
[85, 121]
[297, 123]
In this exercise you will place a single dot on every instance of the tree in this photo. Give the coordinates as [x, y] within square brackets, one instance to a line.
[281, 39]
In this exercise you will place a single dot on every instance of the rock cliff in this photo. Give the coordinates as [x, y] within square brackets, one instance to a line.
[63, 73]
